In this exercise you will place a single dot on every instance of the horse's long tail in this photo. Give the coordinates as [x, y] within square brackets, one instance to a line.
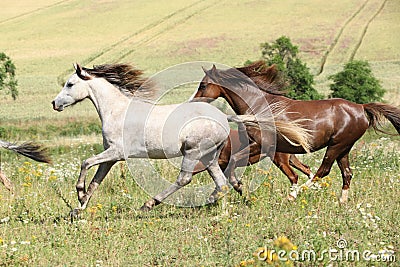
[375, 113]
[292, 131]
[28, 149]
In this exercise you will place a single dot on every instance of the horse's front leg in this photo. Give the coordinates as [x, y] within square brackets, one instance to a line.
[101, 172]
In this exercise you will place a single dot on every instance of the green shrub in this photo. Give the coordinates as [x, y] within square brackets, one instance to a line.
[300, 81]
[7, 75]
[356, 83]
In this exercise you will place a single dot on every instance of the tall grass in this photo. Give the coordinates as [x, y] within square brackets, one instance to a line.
[36, 228]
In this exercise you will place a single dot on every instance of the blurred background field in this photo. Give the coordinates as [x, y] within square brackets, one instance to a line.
[44, 38]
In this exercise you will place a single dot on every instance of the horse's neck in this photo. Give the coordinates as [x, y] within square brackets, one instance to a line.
[271, 98]
[243, 103]
[110, 103]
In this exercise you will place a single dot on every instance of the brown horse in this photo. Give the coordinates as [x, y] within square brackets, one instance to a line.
[246, 152]
[333, 123]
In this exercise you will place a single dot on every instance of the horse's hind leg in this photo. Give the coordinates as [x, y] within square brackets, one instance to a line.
[184, 178]
[332, 153]
[242, 158]
[347, 174]
[7, 183]
[281, 160]
[296, 163]
[212, 161]
[219, 179]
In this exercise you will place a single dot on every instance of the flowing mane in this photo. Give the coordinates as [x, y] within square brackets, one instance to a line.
[266, 78]
[125, 77]
[234, 80]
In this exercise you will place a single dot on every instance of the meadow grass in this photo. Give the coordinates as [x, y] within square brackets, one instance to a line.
[36, 228]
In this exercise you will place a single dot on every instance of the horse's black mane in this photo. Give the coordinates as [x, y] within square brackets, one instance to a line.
[124, 76]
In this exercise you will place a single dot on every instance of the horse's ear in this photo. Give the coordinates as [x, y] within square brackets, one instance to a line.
[81, 72]
[213, 69]
[204, 69]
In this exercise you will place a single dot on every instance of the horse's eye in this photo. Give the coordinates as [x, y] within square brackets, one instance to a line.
[202, 86]
[69, 85]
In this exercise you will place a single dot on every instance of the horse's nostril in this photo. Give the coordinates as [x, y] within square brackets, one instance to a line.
[52, 102]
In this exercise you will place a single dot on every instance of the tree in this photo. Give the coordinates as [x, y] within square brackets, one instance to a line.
[7, 75]
[296, 73]
[356, 83]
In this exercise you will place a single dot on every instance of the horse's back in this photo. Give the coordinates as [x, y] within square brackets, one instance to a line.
[166, 128]
[329, 119]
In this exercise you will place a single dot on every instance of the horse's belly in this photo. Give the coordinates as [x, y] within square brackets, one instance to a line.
[176, 136]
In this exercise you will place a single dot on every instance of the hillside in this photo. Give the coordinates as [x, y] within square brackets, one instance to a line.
[45, 37]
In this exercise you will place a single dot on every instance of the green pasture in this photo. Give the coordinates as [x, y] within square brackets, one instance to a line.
[36, 229]
[45, 37]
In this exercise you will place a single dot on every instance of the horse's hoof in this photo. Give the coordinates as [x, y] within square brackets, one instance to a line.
[212, 199]
[238, 188]
[148, 206]
[145, 208]
[291, 198]
[344, 197]
[74, 214]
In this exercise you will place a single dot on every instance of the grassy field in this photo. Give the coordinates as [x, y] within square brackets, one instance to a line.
[36, 229]
[45, 37]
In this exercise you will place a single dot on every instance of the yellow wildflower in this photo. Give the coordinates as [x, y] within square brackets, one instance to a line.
[225, 188]
[28, 184]
[304, 187]
[262, 171]
[251, 261]
[284, 243]
[324, 184]
[93, 209]
[27, 163]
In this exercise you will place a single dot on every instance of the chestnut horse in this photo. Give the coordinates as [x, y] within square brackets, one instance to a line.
[333, 123]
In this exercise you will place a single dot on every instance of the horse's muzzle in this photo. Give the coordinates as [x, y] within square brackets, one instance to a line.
[60, 108]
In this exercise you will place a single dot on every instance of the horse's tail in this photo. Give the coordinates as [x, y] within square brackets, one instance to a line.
[28, 149]
[375, 113]
[292, 131]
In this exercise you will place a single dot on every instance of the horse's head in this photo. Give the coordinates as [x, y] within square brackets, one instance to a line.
[75, 89]
[208, 89]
